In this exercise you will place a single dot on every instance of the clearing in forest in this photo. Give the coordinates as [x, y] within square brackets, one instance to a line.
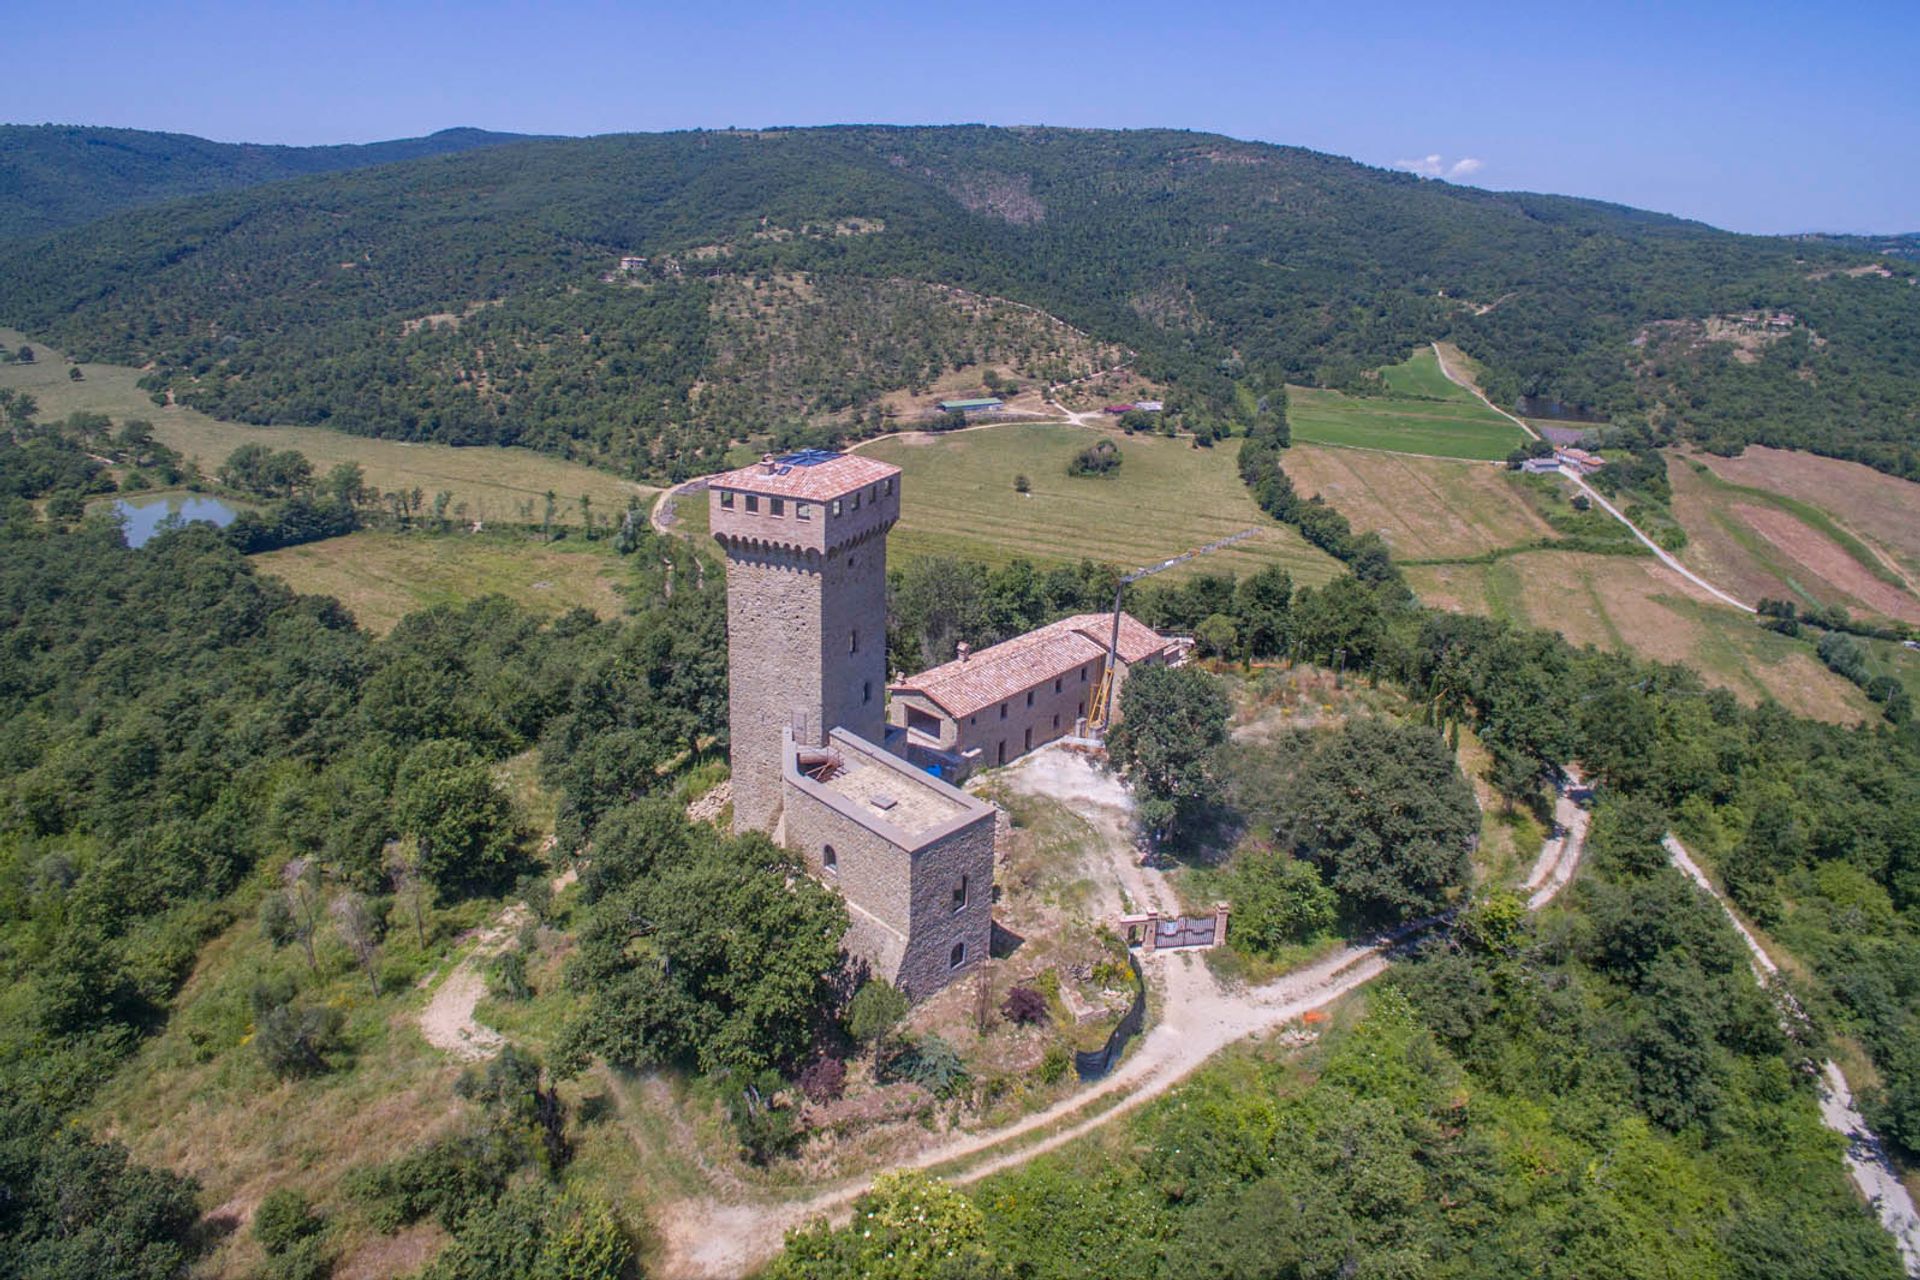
[1166, 497]
[381, 577]
[1632, 604]
[1425, 508]
[1423, 412]
[490, 483]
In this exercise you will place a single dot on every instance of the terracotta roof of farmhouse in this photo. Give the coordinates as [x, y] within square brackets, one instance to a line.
[1011, 667]
[819, 478]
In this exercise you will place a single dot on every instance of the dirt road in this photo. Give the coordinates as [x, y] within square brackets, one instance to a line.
[1466, 384]
[1867, 1159]
[1195, 1018]
[447, 1022]
[1661, 552]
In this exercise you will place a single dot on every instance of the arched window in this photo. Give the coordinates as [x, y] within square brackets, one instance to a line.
[958, 956]
[829, 859]
[960, 894]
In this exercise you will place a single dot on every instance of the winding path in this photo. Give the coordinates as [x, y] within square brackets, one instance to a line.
[1197, 1018]
[1867, 1161]
[1665, 557]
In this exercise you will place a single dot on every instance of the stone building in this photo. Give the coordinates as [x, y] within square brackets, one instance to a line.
[986, 708]
[805, 538]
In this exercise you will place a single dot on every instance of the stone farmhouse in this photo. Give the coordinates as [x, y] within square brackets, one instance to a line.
[989, 707]
[817, 767]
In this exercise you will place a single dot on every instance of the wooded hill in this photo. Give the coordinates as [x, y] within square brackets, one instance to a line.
[54, 176]
[358, 299]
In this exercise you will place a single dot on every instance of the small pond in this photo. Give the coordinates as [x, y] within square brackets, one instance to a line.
[143, 515]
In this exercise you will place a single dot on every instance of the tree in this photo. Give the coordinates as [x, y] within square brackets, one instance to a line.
[722, 959]
[359, 932]
[1172, 722]
[460, 820]
[25, 354]
[875, 1010]
[1217, 636]
[345, 482]
[1382, 809]
[74, 374]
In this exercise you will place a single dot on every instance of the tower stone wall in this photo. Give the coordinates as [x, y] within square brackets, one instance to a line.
[806, 615]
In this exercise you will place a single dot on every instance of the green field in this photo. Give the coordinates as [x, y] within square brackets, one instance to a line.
[493, 484]
[1420, 377]
[1166, 497]
[382, 577]
[1424, 413]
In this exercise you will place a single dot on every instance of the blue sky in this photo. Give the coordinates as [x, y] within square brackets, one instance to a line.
[1753, 116]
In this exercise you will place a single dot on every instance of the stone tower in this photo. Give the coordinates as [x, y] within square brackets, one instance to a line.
[805, 538]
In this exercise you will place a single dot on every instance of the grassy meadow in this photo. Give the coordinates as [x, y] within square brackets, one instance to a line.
[494, 484]
[1422, 413]
[1166, 497]
[1631, 604]
[381, 577]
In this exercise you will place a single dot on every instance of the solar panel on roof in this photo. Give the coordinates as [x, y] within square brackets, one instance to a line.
[809, 457]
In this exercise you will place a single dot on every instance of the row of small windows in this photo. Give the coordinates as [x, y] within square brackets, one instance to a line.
[804, 510]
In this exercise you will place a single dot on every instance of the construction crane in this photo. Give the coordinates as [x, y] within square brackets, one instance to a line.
[1103, 696]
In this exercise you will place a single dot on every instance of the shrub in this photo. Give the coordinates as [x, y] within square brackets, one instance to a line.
[283, 1220]
[293, 1039]
[823, 1080]
[1022, 485]
[1053, 1064]
[1024, 1004]
[929, 1062]
[764, 1130]
[1097, 459]
[509, 978]
[875, 1010]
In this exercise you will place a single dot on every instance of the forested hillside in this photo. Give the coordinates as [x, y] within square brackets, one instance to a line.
[481, 297]
[54, 176]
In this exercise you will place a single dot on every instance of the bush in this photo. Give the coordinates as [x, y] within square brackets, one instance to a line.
[929, 1062]
[283, 1220]
[1097, 459]
[509, 978]
[823, 1080]
[1278, 900]
[293, 1039]
[764, 1130]
[1024, 1004]
[875, 1010]
[1053, 1064]
[1022, 485]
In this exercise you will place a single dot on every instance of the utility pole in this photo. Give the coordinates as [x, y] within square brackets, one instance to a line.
[1103, 700]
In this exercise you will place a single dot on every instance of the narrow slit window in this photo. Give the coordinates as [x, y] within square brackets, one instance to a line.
[1056, 684]
[853, 641]
[960, 894]
[833, 508]
[1029, 697]
[866, 691]
[829, 859]
[958, 956]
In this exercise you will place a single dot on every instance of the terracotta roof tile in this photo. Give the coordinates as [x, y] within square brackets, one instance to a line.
[837, 476]
[1011, 667]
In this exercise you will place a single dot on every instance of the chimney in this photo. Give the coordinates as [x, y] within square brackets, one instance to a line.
[766, 464]
[964, 650]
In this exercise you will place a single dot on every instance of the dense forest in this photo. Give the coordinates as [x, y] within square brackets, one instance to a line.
[54, 176]
[481, 297]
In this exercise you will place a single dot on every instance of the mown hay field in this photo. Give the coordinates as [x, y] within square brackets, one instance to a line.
[381, 577]
[494, 484]
[1166, 497]
[1425, 508]
[1768, 527]
[1632, 604]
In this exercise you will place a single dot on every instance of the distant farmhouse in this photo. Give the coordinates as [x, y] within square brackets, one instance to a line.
[986, 405]
[815, 763]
